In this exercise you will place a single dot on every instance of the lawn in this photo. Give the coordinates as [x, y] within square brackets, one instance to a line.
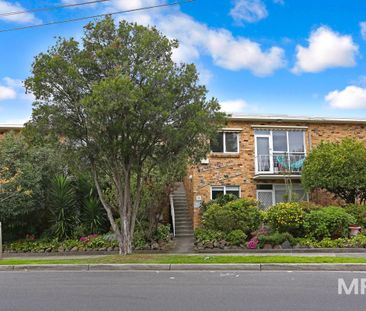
[183, 259]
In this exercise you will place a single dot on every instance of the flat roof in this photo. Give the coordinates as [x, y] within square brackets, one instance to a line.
[286, 118]
[11, 126]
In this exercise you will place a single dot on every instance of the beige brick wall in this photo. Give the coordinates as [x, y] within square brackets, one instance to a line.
[239, 170]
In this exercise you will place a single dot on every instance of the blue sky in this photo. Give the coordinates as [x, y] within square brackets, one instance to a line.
[256, 56]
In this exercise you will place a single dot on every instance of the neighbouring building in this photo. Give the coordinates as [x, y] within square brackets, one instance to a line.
[261, 157]
[5, 128]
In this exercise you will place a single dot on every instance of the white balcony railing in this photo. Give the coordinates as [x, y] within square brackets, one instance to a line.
[280, 163]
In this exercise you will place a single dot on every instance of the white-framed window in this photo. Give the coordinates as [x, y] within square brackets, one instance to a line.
[225, 142]
[271, 194]
[217, 191]
[279, 150]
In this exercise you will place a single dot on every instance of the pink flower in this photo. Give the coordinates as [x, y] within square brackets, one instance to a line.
[252, 244]
[84, 239]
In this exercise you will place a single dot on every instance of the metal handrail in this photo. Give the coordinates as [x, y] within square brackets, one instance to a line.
[291, 161]
[172, 212]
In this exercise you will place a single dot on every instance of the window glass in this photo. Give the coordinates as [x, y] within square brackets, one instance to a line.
[217, 192]
[261, 132]
[264, 186]
[217, 145]
[235, 190]
[281, 196]
[296, 141]
[231, 140]
[279, 141]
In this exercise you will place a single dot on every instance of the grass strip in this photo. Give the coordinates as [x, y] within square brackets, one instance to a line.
[182, 259]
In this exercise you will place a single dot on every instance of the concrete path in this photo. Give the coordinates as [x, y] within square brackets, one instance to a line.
[184, 245]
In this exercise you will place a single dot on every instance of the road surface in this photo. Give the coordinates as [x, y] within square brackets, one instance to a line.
[176, 291]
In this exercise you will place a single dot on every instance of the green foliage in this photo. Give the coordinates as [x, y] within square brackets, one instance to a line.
[62, 208]
[208, 235]
[242, 214]
[338, 168]
[328, 222]
[359, 212]
[286, 217]
[275, 238]
[236, 237]
[221, 200]
[25, 173]
[358, 241]
[163, 233]
[145, 112]
[92, 215]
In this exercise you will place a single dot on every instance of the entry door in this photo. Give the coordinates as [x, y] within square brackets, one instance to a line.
[263, 155]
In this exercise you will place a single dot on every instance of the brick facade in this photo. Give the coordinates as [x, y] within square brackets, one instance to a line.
[239, 169]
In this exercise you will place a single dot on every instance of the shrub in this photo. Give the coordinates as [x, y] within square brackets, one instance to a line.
[205, 235]
[221, 200]
[240, 214]
[286, 217]
[328, 222]
[236, 237]
[163, 233]
[62, 206]
[307, 207]
[359, 212]
[358, 241]
[275, 238]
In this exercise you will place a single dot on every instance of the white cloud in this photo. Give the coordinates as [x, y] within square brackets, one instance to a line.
[197, 39]
[352, 97]
[7, 93]
[363, 30]
[249, 11]
[205, 75]
[13, 89]
[234, 106]
[327, 49]
[227, 51]
[6, 7]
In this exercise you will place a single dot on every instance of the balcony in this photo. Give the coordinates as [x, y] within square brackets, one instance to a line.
[280, 164]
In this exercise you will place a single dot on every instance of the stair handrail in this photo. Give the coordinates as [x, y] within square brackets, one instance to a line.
[172, 212]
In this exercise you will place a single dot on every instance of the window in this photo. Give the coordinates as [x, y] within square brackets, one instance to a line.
[217, 191]
[279, 150]
[226, 142]
[268, 194]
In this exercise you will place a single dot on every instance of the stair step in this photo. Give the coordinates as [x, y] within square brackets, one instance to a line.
[177, 232]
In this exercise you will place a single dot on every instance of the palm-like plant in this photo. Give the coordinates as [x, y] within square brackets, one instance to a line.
[92, 215]
[62, 207]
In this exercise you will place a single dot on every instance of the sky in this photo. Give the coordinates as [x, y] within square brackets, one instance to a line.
[283, 57]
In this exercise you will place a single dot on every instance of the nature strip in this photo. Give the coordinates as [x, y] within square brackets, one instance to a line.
[186, 267]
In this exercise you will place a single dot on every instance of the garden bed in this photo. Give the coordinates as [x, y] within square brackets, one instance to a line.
[92, 244]
[237, 225]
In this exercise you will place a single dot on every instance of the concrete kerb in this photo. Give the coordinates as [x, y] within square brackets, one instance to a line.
[187, 267]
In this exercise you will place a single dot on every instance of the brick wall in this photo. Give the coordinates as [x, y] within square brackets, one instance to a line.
[239, 170]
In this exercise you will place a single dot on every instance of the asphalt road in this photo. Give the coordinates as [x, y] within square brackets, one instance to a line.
[176, 291]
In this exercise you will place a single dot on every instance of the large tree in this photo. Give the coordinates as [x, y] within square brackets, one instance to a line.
[339, 168]
[25, 173]
[123, 107]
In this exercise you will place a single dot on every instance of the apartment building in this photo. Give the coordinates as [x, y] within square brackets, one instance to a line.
[262, 157]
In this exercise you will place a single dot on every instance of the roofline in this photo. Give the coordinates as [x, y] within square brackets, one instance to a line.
[282, 118]
[11, 126]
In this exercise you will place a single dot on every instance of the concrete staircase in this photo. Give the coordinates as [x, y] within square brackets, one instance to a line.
[183, 220]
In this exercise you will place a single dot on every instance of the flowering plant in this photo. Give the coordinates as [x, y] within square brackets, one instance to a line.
[253, 243]
[86, 239]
